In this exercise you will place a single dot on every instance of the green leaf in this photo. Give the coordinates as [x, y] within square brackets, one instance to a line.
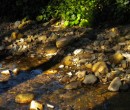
[84, 23]
[66, 23]
[39, 18]
[76, 22]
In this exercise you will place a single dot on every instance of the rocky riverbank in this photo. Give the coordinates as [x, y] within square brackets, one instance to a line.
[64, 68]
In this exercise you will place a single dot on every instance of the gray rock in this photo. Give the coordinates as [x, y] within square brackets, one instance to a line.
[90, 79]
[115, 84]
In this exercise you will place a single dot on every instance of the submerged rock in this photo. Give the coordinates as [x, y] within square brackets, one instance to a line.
[51, 71]
[115, 84]
[73, 85]
[50, 50]
[24, 98]
[90, 79]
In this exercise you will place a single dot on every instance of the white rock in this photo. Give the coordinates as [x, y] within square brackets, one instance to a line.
[126, 55]
[36, 105]
[21, 40]
[5, 72]
[69, 73]
[61, 66]
[78, 51]
[50, 106]
[115, 84]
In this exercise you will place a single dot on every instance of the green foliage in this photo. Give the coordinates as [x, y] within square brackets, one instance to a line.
[73, 12]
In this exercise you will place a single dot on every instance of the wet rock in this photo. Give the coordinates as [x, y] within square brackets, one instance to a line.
[50, 71]
[88, 66]
[35, 105]
[68, 60]
[115, 84]
[15, 71]
[50, 50]
[90, 79]
[100, 68]
[5, 76]
[78, 51]
[24, 98]
[62, 42]
[73, 85]
[116, 58]
[81, 74]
